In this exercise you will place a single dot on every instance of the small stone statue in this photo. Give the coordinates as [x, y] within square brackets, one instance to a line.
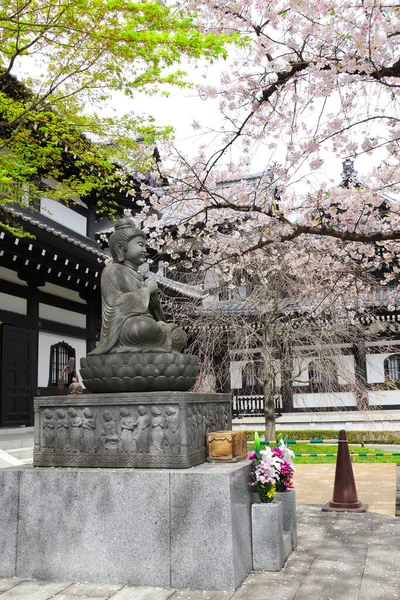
[89, 427]
[172, 441]
[49, 429]
[76, 430]
[141, 434]
[132, 317]
[157, 431]
[62, 430]
[109, 436]
[127, 425]
[75, 387]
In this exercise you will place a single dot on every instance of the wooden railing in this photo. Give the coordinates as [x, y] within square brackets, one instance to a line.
[252, 406]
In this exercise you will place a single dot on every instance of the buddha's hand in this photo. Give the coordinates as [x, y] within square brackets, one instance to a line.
[151, 285]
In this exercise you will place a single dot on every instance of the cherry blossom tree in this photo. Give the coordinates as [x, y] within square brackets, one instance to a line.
[315, 82]
[277, 317]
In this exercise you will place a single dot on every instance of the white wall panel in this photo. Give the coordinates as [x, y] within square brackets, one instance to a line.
[64, 215]
[10, 275]
[57, 290]
[12, 303]
[345, 368]
[375, 368]
[384, 398]
[46, 340]
[60, 315]
[335, 400]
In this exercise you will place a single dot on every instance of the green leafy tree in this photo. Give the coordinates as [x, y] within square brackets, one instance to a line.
[63, 65]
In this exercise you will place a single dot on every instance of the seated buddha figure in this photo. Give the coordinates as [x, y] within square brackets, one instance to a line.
[132, 316]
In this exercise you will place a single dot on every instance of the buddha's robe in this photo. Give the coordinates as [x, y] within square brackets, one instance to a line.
[131, 317]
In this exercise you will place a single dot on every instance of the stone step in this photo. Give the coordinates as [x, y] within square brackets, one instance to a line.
[7, 460]
[21, 453]
[12, 441]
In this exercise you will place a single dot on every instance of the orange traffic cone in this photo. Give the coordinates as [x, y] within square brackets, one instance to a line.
[344, 491]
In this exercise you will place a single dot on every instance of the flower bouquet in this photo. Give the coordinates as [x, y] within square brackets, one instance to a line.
[271, 469]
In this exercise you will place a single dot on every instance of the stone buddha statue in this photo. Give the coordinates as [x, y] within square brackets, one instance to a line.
[138, 351]
[132, 316]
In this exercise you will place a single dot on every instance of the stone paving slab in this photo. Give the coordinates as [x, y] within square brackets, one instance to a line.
[6, 584]
[142, 593]
[200, 595]
[94, 591]
[34, 589]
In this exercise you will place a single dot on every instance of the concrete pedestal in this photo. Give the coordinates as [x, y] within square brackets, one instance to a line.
[169, 528]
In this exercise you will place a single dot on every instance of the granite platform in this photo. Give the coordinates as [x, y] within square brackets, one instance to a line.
[170, 528]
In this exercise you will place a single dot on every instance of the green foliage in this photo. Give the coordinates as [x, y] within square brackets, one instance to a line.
[62, 65]
[354, 437]
[257, 445]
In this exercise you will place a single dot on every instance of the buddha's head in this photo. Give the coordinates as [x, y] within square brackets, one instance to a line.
[128, 243]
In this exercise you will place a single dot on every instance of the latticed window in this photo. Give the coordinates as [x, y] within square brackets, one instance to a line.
[59, 356]
[322, 375]
[392, 367]
[252, 380]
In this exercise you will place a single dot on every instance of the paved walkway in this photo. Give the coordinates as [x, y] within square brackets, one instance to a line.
[375, 483]
[340, 556]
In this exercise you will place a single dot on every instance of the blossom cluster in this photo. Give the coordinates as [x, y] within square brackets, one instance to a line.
[272, 470]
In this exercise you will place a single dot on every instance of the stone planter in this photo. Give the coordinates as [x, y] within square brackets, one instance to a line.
[288, 501]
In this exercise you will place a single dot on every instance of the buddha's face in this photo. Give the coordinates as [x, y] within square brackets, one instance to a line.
[135, 253]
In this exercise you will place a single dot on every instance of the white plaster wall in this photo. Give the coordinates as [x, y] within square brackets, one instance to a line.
[60, 315]
[335, 400]
[345, 368]
[46, 340]
[12, 303]
[61, 292]
[300, 371]
[63, 215]
[375, 368]
[384, 398]
[10, 275]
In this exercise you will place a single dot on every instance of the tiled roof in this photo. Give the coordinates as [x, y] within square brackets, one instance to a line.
[42, 222]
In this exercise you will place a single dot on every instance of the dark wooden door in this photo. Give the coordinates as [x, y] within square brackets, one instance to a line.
[16, 375]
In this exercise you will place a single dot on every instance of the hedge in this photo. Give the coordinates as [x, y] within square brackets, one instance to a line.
[354, 437]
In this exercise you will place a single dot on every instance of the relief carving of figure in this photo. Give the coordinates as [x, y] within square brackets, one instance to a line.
[132, 317]
[62, 430]
[75, 431]
[49, 429]
[127, 442]
[199, 428]
[141, 435]
[191, 427]
[172, 441]
[109, 436]
[157, 431]
[89, 426]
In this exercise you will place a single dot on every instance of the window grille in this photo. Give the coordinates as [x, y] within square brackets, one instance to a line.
[322, 376]
[59, 355]
[392, 367]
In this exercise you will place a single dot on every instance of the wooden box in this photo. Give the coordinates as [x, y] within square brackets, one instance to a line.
[226, 446]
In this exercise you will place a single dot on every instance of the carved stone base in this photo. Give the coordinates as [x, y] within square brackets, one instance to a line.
[158, 430]
[139, 372]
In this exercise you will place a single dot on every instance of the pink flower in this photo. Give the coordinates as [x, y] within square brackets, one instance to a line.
[277, 452]
[251, 455]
